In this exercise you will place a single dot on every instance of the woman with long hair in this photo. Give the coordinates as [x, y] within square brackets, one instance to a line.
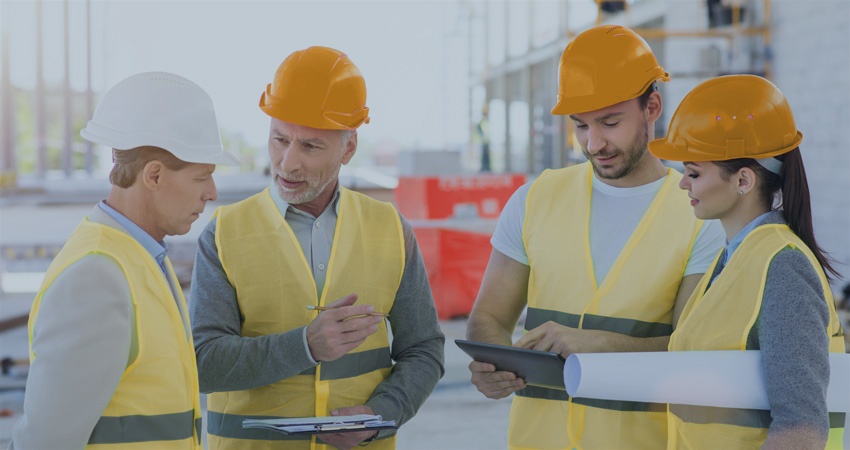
[768, 289]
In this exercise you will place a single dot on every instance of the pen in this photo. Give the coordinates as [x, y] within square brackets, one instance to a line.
[339, 426]
[325, 308]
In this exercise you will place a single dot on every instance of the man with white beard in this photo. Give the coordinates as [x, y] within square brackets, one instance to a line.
[266, 262]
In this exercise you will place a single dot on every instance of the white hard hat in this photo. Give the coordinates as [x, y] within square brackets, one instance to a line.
[163, 110]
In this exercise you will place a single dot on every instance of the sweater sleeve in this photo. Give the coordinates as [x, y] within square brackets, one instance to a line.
[227, 361]
[792, 336]
[417, 343]
[81, 340]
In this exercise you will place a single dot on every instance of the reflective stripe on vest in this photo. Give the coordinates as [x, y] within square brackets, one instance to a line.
[636, 298]
[163, 427]
[722, 318]
[536, 317]
[630, 327]
[749, 418]
[230, 426]
[353, 364]
[165, 361]
[367, 258]
[614, 405]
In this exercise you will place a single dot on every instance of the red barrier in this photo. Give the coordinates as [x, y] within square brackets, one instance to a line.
[436, 197]
[455, 261]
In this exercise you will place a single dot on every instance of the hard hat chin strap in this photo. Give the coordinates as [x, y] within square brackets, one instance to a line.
[772, 164]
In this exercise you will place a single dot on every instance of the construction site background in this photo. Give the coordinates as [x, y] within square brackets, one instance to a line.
[505, 64]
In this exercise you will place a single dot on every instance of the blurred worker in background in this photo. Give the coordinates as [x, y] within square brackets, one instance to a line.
[483, 133]
[306, 242]
[604, 254]
[112, 361]
[768, 290]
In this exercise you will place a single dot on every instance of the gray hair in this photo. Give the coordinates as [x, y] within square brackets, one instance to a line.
[346, 136]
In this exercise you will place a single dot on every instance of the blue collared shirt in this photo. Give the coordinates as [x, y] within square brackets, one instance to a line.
[733, 245]
[314, 234]
[736, 241]
[157, 249]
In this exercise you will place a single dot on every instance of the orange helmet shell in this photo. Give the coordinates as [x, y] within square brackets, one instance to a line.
[604, 66]
[730, 117]
[318, 87]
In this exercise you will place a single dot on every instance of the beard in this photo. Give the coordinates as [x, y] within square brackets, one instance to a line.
[313, 187]
[631, 158]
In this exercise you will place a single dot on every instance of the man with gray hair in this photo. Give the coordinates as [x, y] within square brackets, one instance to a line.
[268, 265]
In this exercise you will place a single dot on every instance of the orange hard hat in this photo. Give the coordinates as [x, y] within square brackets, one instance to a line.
[730, 117]
[318, 87]
[604, 66]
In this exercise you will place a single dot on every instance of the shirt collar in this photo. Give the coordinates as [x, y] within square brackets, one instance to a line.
[634, 191]
[284, 206]
[157, 249]
[736, 241]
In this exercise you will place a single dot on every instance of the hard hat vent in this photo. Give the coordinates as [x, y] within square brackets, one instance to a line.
[169, 79]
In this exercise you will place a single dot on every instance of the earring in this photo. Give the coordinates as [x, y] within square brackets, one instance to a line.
[741, 192]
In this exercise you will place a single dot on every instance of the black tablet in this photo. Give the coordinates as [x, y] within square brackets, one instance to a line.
[544, 369]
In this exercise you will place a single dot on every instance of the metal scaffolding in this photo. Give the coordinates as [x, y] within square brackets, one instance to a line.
[50, 103]
[738, 32]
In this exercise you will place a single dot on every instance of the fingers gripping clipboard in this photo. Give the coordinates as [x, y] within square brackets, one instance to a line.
[543, 369]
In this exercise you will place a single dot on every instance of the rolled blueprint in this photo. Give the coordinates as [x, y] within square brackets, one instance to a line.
[728, 379]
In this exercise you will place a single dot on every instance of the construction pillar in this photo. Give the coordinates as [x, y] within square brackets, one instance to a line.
[67, 150]
[8, 169]
[40, 109]
[89, 93]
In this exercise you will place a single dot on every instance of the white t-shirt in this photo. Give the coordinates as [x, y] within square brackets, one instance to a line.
[614, 214]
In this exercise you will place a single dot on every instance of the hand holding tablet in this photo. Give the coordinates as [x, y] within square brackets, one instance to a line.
[543, 369]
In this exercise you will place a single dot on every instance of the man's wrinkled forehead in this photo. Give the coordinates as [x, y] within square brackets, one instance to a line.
[281, 129]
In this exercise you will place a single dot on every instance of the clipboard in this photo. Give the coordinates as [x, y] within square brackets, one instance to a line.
[542, 369]
[321, 425]
[342, 428]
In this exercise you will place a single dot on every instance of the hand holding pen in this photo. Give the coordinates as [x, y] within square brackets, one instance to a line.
[340, 328]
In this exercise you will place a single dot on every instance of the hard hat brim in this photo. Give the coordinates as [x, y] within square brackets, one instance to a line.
[202, 154]
[664, 149]
[329, 120]
[567, 105]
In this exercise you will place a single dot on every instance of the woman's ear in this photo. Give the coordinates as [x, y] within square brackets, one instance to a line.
[746, 180]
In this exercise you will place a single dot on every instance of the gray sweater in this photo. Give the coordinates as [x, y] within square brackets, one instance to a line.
[227, 361]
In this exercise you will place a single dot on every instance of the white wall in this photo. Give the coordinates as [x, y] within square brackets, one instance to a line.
[811, 46]
[811, 64]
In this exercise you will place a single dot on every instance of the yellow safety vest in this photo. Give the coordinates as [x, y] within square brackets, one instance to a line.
[721, 319]
[265, 264]
[636, 298]
[156, 404]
